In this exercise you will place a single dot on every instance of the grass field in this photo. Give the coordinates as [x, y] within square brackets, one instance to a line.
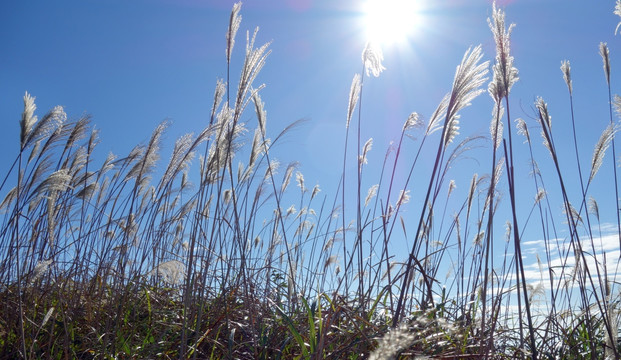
[203, 257]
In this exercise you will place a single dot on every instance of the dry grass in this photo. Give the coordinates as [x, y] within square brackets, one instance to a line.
[138, 258]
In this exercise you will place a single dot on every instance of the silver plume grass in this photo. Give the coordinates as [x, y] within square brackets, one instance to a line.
[600, 148]
[605, 54]
[616, 103]
[566, 69]
[372, 58]
[413, 121]
[545, 120]
[523, 129]
[234, 23]
[618, 13]
[497, 126]
[593, 207]
[393, 343]
[354, 95]
[469, 77]
[28, 118]
[504, 71]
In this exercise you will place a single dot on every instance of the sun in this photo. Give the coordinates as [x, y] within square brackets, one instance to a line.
[391, 21]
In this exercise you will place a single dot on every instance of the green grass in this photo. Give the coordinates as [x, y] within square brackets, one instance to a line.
[133, 258]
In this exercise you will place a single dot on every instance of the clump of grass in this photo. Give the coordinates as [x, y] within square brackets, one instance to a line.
[240, 259]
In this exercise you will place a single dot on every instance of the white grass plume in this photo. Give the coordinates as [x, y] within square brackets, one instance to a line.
[618, 13]
[287, 177]
[171, 272]
[600, 149]
[566, 69]
[404, 197]
[51, 124]
[413, 121]
[372, 58]
[545, 120]
[315, 191]
[616, 103]
[505, 74]
[299, 178]
[469, 77]
[393, 343]
[605, 53]
[354, 95]
[40, 269]
[149, 157]
[523, 129]
[362, 160]
[371, 194]
[497, 127]
[28, 118]
[593, 207]
[234, 23]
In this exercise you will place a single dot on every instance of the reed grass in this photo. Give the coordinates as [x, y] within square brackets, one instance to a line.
[236, 257]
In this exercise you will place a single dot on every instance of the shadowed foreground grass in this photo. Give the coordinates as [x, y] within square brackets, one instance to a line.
[133, 257]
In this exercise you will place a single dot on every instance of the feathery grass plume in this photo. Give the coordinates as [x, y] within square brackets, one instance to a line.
[393, 343]
[504, 70]
[354, 95]
[574, 214]
[234, 23]
[172, 271]
[40, 269]
[404, 197]
[329, 261]
[150, 156]
[600, 148]
[497, 126]
[412, 122]
[87, 191]
[545, 120]
[28, 119]
[180, 153]
[469, 77]
[287, 177]
[593, 207]
[271, 169]
[217, 99]
[253, 63]
[259, 107]
[473, 186]
[57, 181]
[371, 194]
[541, 193]
[451, 187]
[478, 238]
[78, 131]
[50, 125]
[256, 148]
[8, 199]
[618, 13]
[47, 317]
[566, 69]
[365, 149]
[315, 191]
[452, 130]
[372, 58]
[299, 178]
[523, 129]
[616, 103]
[605, 53]
[497, 174]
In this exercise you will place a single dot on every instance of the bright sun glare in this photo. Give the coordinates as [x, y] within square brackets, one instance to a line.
[391, 21]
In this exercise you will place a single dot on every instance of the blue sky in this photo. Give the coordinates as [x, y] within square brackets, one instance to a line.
[132, 64]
